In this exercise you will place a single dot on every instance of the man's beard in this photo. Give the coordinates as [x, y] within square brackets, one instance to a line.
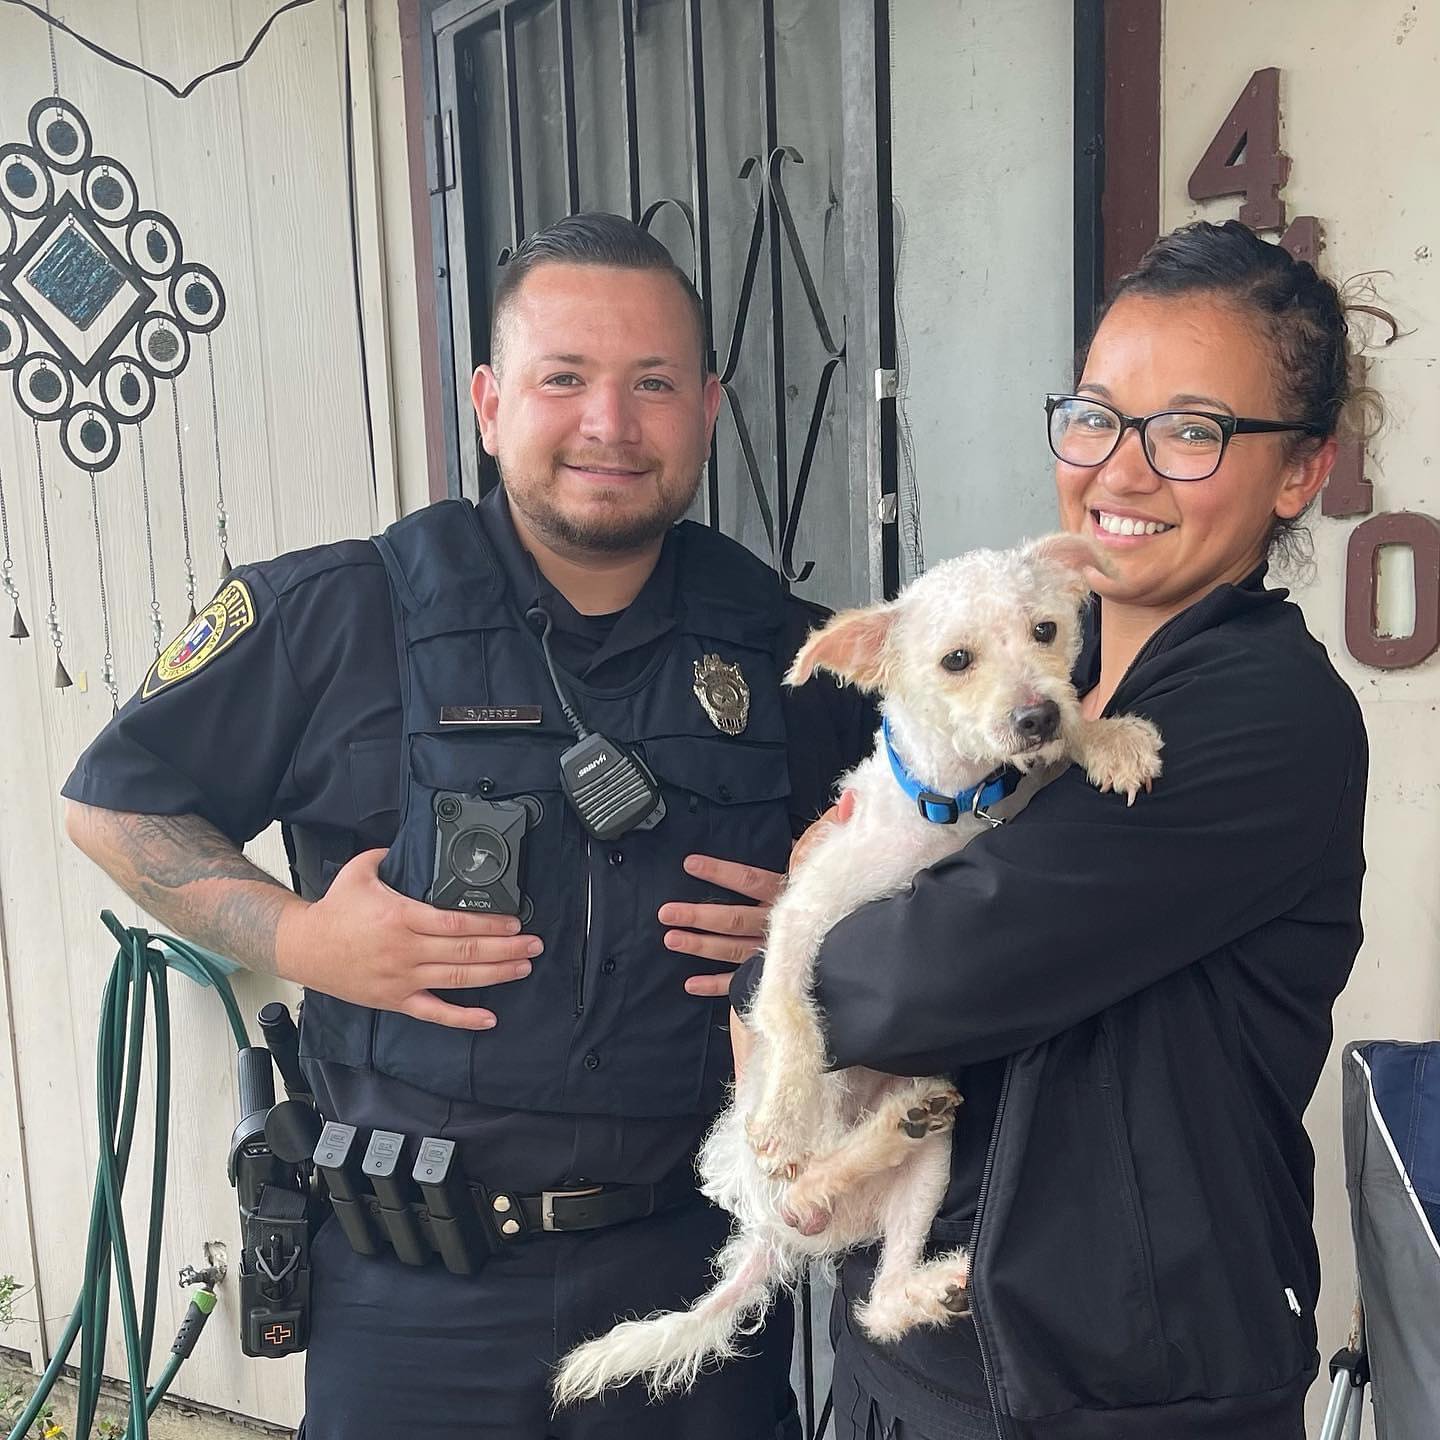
[599, 534]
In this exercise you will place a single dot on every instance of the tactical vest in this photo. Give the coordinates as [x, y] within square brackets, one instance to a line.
[603, 1024]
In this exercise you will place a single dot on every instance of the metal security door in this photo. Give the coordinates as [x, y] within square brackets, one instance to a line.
[751, 136]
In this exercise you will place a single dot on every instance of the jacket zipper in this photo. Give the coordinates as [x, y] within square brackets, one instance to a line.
[1001, 1424]
[584, 941]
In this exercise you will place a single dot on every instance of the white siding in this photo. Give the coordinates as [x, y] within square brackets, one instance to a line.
[251, 168]
[983, 171]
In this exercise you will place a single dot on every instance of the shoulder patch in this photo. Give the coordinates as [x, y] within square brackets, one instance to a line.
[217, 627]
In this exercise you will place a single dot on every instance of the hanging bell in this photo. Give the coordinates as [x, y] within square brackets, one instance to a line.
[17, 626]
[62, 675]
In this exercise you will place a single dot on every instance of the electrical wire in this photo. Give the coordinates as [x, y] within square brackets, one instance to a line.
[124, 64]
[138, 980]
[354, 215]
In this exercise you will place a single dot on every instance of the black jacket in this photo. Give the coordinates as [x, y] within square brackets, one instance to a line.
[1158, 982]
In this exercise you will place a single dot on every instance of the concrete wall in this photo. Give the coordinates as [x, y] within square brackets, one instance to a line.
[1356, 92]
[982, 125]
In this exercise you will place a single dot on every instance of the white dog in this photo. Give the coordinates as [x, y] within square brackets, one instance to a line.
[973, 664]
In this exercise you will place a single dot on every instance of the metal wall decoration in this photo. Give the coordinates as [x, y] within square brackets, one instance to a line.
[99, 311]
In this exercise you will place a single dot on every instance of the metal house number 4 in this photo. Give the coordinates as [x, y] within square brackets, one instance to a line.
[1245, 158]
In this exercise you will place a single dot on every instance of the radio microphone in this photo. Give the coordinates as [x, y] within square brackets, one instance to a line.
[608, 787]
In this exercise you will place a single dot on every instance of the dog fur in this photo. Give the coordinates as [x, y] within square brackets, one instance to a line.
[812, 1163]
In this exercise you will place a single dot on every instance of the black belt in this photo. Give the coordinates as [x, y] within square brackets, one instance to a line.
[561, 1211]
[412, 1198]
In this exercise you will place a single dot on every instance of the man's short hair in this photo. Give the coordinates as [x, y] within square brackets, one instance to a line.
[594, 238]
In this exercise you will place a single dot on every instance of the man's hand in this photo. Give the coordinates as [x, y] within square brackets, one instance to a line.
[728, 933]
[368, 944]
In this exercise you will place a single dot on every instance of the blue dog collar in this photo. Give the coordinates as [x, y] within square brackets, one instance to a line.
[945, 809]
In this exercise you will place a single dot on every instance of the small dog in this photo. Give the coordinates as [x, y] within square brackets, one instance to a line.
[972, 662]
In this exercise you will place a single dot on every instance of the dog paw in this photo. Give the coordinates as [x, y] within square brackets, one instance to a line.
[935, 1294]
[932, 1114]
[1122, 753]
[945, 1283]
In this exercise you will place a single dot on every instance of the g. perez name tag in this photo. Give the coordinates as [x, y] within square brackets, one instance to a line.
[489, 714]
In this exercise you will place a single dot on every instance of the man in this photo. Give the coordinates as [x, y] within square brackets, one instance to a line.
[569, 1054]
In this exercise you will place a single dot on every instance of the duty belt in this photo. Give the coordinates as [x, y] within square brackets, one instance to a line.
[412, 1197]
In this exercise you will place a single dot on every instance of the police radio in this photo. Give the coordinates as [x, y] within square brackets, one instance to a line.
[610, 789]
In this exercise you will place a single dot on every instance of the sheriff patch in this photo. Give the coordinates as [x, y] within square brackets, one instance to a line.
[217, 627]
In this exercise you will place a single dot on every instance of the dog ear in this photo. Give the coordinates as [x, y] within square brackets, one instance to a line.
[851, 645]
[1072, 556]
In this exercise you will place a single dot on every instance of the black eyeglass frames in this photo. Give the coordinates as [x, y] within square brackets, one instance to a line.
[1178, 444]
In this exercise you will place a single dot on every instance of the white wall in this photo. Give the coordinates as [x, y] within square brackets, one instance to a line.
[1357, 100]
[252, 169]
[983, 159]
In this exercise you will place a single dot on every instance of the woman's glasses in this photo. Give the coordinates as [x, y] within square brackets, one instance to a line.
[1179, 444]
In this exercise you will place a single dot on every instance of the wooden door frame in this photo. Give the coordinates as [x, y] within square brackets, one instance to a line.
[419, 107]
[1117, 146]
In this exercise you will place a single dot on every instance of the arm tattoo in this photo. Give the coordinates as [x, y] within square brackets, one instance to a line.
[191, 878]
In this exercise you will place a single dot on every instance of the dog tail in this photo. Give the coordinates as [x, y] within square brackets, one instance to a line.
[670, 1349]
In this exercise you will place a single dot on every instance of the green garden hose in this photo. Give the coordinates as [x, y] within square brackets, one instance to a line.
[139, 977]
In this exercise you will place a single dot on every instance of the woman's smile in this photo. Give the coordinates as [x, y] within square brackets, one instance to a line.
[1116, 527]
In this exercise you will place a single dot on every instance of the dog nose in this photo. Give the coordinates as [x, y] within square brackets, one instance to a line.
[1036, 722]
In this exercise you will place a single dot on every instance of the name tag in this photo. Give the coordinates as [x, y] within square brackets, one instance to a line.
[489, 714]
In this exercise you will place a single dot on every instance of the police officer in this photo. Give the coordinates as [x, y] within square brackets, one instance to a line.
[356, 690]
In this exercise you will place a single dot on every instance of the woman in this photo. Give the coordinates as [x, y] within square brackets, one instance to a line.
[1136, 1001]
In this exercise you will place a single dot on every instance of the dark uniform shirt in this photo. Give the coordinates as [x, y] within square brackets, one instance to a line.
[299, 720]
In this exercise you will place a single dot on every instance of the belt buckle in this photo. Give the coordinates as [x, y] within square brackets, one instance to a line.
[547, 1204]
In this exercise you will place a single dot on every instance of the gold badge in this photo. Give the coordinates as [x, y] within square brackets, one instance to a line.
[217, 627]
[723, 693]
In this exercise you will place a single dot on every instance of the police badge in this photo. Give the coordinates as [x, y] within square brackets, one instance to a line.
[722, 693]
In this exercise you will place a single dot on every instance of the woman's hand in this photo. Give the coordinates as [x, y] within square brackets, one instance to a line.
[837, 814]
